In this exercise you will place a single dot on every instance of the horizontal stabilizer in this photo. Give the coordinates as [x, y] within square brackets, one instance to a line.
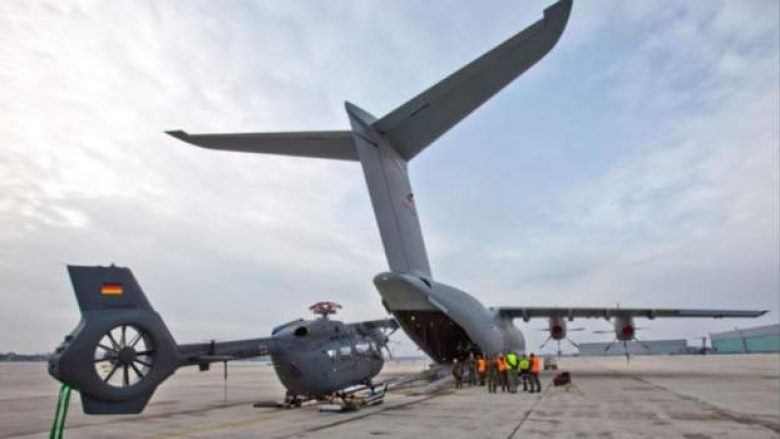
[337, 145]
[417, 123]
[527, 313]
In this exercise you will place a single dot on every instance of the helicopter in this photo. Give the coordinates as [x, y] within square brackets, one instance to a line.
[121, 350]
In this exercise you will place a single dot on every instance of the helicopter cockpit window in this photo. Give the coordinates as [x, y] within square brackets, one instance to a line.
[363, 350]
[331, 353]
[345, 351]
[375, 351]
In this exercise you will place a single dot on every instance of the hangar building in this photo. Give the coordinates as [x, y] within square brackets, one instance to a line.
[759, 339]
[656, 347]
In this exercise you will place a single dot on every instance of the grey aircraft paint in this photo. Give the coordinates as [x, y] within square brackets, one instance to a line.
[442, 320]
[318, 357]
[122, 350]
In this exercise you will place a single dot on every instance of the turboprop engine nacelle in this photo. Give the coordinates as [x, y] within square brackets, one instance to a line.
[625, 330]
[557, 327]
[558, 331]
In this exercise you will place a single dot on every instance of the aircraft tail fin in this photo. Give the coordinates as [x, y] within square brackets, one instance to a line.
[104, 288]
[384, 146]
[391, 195]
[417, 123]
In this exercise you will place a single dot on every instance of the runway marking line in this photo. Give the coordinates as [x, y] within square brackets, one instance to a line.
[738, 418]
[735, 417]
[527, 414]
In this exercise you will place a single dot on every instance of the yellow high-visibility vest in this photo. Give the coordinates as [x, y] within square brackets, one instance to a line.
[525, 364]
[511, 358]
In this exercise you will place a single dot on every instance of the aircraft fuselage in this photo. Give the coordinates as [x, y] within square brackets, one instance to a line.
[444, 321]
[318, 357]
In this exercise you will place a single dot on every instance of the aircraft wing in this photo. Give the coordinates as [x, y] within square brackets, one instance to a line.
[417, 123]
[527, 313]
[337, 145]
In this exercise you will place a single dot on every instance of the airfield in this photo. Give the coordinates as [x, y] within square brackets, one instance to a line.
[670, 397]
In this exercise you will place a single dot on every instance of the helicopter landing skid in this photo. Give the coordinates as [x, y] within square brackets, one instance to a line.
[350, 401]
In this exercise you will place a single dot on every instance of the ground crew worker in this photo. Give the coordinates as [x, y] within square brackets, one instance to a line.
[457, 372]
[502, 370]
[536, 367]
[492, 374]
[471, 366]
[482, 369]
[525, 367]
[512, 364]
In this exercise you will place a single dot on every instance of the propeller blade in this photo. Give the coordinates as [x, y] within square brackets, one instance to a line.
[545, 342]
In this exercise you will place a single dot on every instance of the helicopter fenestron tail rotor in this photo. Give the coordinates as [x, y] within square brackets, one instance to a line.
[121, 349]
[124, 356]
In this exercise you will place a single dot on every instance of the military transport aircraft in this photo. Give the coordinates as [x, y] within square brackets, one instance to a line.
[440, 319]
[121, 350]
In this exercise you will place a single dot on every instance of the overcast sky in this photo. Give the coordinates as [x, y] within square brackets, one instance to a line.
[636, 164]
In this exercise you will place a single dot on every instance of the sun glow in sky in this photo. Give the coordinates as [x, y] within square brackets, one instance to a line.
[636, 164]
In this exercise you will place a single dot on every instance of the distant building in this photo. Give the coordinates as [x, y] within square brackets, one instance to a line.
[649, 347]
[747, 341]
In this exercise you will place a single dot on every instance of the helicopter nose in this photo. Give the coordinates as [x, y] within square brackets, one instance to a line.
[294, 370]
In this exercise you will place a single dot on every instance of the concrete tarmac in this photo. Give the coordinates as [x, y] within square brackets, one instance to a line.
[693, 397]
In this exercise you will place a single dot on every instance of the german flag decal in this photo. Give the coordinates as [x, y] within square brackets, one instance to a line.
[112, 290]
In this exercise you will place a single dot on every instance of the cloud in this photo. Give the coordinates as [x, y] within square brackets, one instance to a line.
[636, 163]
[686, 214]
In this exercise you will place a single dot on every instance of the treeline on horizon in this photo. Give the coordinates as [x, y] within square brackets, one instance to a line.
[13, 356]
